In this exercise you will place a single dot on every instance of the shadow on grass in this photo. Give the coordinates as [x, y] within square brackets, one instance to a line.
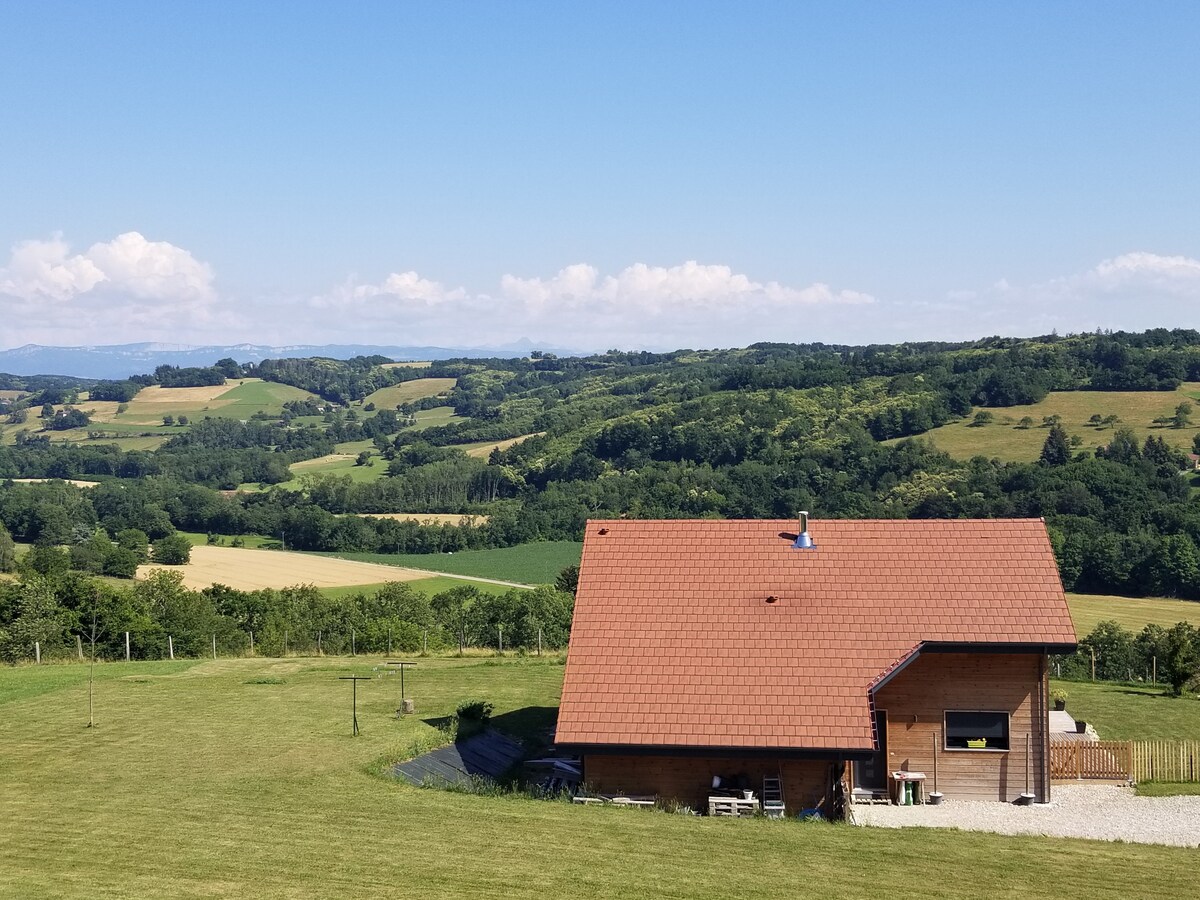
[531, 724]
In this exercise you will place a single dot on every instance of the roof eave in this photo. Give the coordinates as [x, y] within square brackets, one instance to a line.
[824, 753]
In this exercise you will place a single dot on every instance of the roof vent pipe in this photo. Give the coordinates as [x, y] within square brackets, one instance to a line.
[803, 541]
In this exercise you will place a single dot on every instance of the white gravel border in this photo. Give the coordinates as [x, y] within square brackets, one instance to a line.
[1098, 812]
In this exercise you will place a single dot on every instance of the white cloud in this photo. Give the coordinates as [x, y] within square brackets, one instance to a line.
[1132, 292]
[129, 263]
[641, 305]
[658, 289]
[126, 289]
[407, 287]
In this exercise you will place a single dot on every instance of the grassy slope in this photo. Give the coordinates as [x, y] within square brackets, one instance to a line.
[1134, 613]
[281, 802]
[390, 397]
[537, 563]
[1121, 712]
[1137, 410]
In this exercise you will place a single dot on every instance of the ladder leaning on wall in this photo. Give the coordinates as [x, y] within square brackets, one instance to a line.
[772, 797]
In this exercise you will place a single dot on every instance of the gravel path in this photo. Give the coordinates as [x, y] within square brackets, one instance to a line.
[1099, 812]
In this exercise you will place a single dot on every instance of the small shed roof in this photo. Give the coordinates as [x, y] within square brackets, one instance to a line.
[677, 644]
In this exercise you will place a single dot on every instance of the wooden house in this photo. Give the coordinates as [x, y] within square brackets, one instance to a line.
[818, 660]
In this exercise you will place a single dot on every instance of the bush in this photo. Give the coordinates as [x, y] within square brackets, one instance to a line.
[474, 711]
[172, 550]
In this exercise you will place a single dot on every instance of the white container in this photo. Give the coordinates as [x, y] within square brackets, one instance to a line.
[749, 794]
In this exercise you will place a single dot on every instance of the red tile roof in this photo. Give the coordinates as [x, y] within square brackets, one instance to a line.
[675, 644]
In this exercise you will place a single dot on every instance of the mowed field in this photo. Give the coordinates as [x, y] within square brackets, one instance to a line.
[536, 563]
[390, 397]
[1136, 409]
[484, 450]
[249, 570]
[240, 778]
[1134, 613]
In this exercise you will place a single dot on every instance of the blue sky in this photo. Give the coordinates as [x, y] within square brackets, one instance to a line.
[655, 175]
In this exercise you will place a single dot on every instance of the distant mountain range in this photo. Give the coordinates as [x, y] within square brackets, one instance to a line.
[118, 361]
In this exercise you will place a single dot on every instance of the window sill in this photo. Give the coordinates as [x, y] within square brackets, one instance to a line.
[976, 750]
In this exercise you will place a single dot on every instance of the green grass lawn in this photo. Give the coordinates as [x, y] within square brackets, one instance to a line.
[537, 563]
[1167, 789]
[1134, 613]
[239, 778]
[1002, 439]
[1123, 712]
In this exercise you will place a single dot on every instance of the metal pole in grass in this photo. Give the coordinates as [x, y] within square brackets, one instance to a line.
[37, 652]
[500, 631]
[539, 642]
[353, 652]
[354, 679]
[79, 647]
[127, 646]
[171, 646]
[214, 646]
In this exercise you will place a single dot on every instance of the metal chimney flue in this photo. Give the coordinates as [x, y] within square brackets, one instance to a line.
[803, 540]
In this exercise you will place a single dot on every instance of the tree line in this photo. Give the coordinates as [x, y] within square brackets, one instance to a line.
[62, 611]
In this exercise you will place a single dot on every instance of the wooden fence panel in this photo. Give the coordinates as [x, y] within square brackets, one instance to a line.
[1166, 761]
[1100, 760]
[1177, 761]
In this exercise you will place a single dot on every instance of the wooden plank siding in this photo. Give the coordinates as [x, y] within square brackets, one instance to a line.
[688, 780]
[917, 699]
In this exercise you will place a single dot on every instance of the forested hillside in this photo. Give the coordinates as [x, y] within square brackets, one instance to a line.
[757, 432]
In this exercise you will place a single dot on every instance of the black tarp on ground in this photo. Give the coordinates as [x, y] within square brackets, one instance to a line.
[487, 755]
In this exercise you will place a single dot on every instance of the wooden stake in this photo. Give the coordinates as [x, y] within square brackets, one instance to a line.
[352, 650]
[285, 642]
[425, 641]
[171, 646]
[500, 631]
[79, 646]
[252, 643]
[214, 646]
[37, 651]
[1154, 677]
[935, 756]
[1093, 663]
[539, 642]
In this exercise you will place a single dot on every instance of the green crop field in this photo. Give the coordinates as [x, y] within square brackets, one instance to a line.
[1123, 712]
[537, 563]
[390, 397]
[240, 778]
[1134, 613]
[1136, 409]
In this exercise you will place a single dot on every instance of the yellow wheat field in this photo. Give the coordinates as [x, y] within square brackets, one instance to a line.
[251, 570]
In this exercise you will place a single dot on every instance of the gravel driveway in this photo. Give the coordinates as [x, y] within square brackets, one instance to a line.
[1100, 812]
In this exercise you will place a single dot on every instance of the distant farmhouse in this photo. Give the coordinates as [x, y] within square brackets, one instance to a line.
[814, 665]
